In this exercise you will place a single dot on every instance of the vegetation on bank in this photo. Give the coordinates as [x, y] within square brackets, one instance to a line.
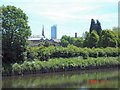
[18, 57]
[44, 53]
[61, 64]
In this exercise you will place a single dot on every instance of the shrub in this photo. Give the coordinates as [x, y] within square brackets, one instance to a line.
[101, 52]
[27, 66]
[37, 65]
[16, 68]
[94, 53]
[85, 54]
[63, 64]
[45, 53]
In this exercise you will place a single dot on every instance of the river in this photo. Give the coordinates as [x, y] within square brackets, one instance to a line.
[105, 78]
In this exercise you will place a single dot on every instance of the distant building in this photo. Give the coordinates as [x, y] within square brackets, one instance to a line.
[75, 35]
[36, 39]
[43, 31]
[54, 32]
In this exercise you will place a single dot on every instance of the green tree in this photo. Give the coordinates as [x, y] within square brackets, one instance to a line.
[93, 39]
[85, 42]
[116, 30]
[95, 26]
[64, 42]
[15, 32]
[108, 39]
[78, 42]
[92, 25]
[98, 28]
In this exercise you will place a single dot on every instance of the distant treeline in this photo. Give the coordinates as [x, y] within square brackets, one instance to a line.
[93, 38]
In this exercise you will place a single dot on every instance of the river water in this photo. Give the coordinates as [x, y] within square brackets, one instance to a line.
[105, 78]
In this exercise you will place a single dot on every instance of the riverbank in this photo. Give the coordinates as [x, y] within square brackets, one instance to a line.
[61, 65]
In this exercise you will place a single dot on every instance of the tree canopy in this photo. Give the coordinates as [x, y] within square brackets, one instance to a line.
[15, 31]
[65, 40]
[95, 26]
[108, 39]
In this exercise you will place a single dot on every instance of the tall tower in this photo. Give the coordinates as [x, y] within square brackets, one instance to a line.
[75, 35]
[43, 31]
[54, 32]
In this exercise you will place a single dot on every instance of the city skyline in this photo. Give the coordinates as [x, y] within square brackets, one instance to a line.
[70, 16]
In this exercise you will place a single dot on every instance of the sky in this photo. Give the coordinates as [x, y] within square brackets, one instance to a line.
[70, 15]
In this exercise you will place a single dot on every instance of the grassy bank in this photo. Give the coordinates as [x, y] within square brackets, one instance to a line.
[61, 64]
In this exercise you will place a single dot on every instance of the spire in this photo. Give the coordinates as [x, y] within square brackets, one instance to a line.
[43, 31]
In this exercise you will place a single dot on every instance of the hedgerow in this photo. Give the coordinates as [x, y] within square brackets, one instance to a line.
[44, 53]
[63, 64]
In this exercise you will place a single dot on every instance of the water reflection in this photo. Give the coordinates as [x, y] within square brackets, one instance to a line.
[77, 79]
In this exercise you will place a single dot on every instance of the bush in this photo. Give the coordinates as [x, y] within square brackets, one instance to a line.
[93, 53]
[45, 53]
[16, 68]
[37, 65]
[101, 52]
[61, 64]
[111, 51]
[27, 66]
[85, 54]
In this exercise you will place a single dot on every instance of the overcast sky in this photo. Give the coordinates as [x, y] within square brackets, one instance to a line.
[70, 15]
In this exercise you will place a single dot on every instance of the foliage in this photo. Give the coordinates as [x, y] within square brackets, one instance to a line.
[85, 54]
[85, 42]
[78, 42]
[15, 31]
[65, 40]
[46, 43]
[44, 53]
[16, 68]
[116, 30]
[95, 26]
[64, 64]
[108, 39]
[93, 39]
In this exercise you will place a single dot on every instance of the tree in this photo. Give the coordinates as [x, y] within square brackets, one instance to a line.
[98, 28]
[78, 42]
[95, 26]
[108, 39]
[15, 32]
[93, 39]
[92, 26]
[85, 42]
[64, 42]
[116, 30]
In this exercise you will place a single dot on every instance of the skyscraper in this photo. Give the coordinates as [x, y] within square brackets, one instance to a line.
[54, 32]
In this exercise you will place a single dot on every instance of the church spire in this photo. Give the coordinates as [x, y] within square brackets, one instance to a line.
[43, 31]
